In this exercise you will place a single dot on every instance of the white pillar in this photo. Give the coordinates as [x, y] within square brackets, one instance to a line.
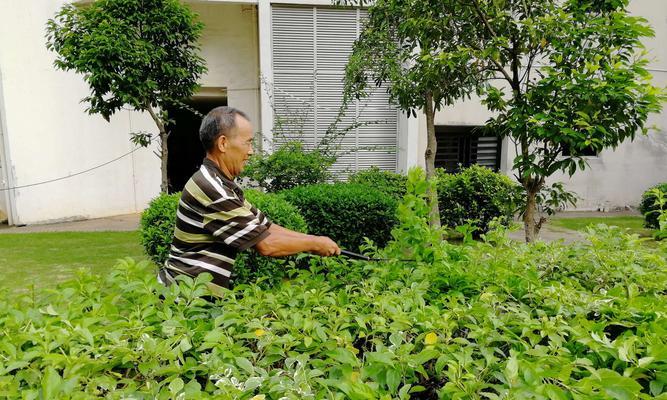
[265, 73]
[408, 142]
[6, 171]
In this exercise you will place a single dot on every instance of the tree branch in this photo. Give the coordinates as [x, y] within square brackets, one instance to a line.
[498, 68]
[526, 75]
[493, 33]
[156, 119]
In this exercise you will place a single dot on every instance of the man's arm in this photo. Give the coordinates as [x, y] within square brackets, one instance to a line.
[284, 242]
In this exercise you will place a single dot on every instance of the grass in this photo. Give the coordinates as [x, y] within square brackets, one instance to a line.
[632, 223]
[44, 259]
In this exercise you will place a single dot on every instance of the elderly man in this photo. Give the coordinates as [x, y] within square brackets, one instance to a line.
[215, 222]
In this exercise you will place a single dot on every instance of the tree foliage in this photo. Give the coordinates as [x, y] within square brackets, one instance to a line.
[561, 76]
[141, 54]
[418, 48]
[575, 78]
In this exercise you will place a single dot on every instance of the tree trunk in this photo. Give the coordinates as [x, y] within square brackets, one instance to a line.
[164, 157]
[429, 156]
[529, 217]
[164, 149]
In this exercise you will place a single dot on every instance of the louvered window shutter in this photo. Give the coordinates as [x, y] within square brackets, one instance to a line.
[311, 46]
[460, 146]
[488, 152]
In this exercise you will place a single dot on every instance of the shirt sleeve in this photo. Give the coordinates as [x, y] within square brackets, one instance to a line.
[236, 222]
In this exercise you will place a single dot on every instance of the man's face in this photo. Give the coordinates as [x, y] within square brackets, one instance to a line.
[238, 146]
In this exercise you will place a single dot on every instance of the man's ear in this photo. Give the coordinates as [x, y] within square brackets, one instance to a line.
[221, 143]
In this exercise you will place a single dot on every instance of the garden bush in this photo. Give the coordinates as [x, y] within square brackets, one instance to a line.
[159, 219]
[493, 319]
[475, 196]
[157, 226]
[391, 183]
[288, 166]
[345, 212]
[649, 207]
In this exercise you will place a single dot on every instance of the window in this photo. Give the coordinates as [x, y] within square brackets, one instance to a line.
[464, 146]
[311, 46]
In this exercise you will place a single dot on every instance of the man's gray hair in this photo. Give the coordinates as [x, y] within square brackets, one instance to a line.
[218, 121]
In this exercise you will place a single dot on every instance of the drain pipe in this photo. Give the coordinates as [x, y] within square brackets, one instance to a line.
[6, 175]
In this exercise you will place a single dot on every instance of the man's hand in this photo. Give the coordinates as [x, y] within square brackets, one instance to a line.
[284, 242]
[326, 247]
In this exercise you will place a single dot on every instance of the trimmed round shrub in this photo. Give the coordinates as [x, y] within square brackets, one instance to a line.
[648, 207]
[157, 226]
[387, 182]
[159, 219]
[475, 196]
[346, 212]
[250, 266]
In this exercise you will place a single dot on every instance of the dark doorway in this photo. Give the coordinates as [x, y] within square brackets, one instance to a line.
[461, 146]
[185, 150]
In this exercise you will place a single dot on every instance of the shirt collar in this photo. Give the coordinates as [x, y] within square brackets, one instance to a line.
[214, 167]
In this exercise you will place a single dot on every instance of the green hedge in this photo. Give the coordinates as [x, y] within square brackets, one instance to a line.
[157, 226]
[387, 182]
[648, 207]
[493, 319]
[159, 219]
[475, 196]
[345, 212]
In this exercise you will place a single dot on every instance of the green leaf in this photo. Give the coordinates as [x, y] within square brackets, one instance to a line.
[176, 385]
[185, 344]
[512, 370]
[555, 393]
[245, 364]
[656, 387]
[49, 310]
[214, 336]
[51, 383]
[425, 356]
[252, 383]
[343, 356]
[393, 380]
[617, 386]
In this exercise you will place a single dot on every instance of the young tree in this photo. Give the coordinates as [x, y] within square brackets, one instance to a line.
[132, 53]
[574, 77]
[418, 48]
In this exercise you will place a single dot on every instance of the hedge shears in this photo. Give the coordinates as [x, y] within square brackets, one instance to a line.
[358, 256]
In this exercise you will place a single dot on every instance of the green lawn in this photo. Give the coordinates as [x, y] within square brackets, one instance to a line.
[634, 224]
[44, 259]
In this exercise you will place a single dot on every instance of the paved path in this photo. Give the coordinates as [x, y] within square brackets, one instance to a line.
[127, 222]
[550, 233]
[130, 222]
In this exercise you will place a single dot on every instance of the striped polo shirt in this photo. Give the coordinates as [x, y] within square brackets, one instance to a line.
[214, 223]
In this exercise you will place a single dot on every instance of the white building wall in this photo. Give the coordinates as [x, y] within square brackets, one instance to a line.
[49, 135]
[617, 178]
[230, 47]
[4, 178]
